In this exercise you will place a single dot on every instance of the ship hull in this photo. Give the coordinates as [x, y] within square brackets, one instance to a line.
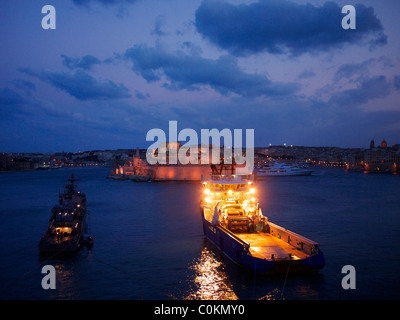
[238, 251]
[49, 245]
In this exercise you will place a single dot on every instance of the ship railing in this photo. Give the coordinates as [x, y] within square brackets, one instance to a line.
[231, 177]
[245, 244]
[304, 244]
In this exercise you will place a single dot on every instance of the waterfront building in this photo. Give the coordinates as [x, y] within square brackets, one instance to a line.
[379, 159]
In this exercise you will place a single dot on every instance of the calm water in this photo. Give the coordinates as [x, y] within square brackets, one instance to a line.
[148, 241]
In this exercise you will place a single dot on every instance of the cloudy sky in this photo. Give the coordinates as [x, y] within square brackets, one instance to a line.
[114, 69]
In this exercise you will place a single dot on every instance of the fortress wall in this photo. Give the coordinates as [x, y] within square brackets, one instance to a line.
[182, 173]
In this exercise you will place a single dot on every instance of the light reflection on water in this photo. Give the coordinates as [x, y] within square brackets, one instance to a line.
[275, 294]
[65, 279]
[210, 280]
[212, 276]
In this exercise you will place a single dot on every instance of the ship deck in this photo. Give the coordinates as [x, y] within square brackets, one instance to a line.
[264, 245]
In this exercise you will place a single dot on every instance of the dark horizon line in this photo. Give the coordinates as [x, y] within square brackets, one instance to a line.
[128, 149]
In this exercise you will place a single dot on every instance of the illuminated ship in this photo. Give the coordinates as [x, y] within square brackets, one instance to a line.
[233, 221]
[67, 225]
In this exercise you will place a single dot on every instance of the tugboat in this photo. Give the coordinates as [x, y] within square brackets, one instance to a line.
[67, 224]
[233, 221]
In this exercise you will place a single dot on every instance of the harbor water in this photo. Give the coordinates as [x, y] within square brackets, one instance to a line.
[149, 242]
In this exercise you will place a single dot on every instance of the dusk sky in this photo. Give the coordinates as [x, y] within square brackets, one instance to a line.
[114, 69]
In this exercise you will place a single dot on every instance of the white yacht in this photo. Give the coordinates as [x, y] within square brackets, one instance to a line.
[282, 169]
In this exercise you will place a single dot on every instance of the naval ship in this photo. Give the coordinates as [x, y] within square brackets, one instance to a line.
[67, 224]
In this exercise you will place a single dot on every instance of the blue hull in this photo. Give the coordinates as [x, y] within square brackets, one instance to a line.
[238, 251]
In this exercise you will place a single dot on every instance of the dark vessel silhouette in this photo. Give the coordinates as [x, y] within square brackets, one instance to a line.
[67, 224]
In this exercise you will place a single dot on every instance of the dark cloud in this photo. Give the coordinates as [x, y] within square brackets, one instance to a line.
[26, 86]
[102, 2]
[141, 96]
[159, 26]
[191, 47]
[280, 26]
[371, 88]
[397, 82]
[81, 85]
[9, 99]
[120, 7]
[85, 63]
[12, 104]
[191, 72]
[354, 70]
